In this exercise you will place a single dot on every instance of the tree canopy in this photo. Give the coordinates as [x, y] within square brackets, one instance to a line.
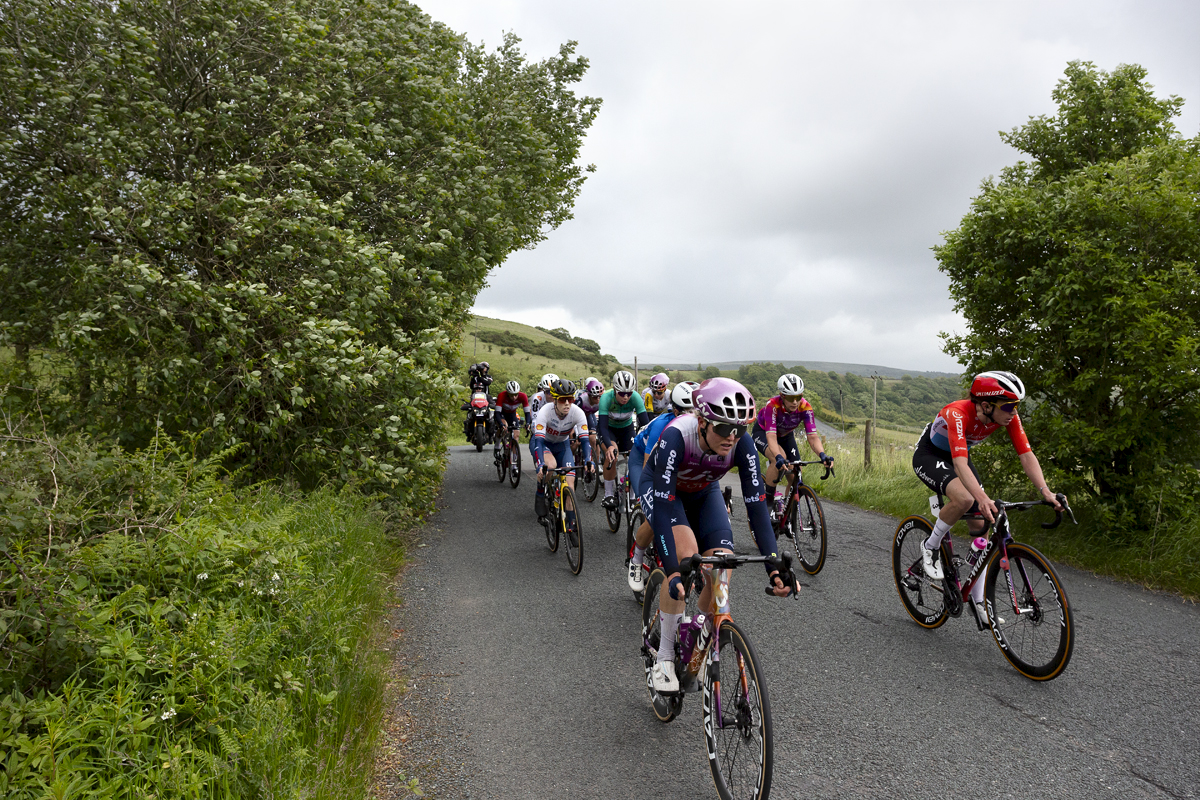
[267, 219]
[1077, 271]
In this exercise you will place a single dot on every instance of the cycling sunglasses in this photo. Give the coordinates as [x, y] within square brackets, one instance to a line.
[624, 394]
[1008, 408]
[724, 429]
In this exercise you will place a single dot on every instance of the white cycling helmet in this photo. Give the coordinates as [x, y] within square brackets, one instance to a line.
[659, 382]
[623, 382]
[546, 380]
[512, 387]
[790, 385]
[681, 395]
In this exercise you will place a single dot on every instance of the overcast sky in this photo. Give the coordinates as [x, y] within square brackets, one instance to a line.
[771, 175]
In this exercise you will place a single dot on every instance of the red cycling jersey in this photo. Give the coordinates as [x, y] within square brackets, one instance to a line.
[957, 429]
[513, 402]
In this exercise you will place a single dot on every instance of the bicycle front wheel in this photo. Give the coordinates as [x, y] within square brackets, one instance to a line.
[572, 532]
[613, 516]
[923, 598]
[1032, 623]
[501, 458]
[737, 719]
[514, 466]
[591, 483]
[551, 524]
[806, 527]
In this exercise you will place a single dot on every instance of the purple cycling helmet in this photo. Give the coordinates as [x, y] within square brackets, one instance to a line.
[724, 400]
[594, 387]
[659, 382]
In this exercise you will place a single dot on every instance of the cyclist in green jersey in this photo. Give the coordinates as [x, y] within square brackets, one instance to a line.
[618, 407]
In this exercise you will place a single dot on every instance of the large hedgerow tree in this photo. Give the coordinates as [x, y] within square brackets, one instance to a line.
[266, 219]
[1078, 271]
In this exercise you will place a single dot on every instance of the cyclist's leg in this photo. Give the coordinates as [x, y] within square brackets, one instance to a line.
[935, 468]
[710, 522]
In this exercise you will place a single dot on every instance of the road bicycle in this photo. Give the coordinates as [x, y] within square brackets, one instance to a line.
[508, 456]
[626, 504]
[801, 519]
[1026, 607]
[591, 477]
[737, 710]
[559, 498]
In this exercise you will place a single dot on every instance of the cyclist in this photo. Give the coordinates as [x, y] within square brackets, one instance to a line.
[618, 408]
[541, 398]
[655, 398]
[509, 401]
[643, 445]
[775, 430]
[588, 398]
[552, 428]
[942, 461]
[684, 504]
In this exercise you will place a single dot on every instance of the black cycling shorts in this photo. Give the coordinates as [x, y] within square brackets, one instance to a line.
[934, 466]
[623, 437]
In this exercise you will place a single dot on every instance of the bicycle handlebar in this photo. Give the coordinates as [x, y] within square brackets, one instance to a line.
[1025, 505]
[692, 564]
[800, 463]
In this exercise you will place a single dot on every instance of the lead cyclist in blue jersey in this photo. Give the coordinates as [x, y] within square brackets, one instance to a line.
[685, 508]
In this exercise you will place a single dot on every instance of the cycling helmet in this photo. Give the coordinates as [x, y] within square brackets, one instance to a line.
[659, 382]
[623, 381]
[594, 387]
[997, 386]
[790, 385]
[681, 395]
[561, 387]
[724, 400]
[512, 387]
[544, 383]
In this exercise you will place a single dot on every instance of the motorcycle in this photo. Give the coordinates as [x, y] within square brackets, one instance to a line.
[480, 420]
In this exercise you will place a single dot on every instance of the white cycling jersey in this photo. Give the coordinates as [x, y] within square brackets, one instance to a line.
[538, 400]
[555, 429]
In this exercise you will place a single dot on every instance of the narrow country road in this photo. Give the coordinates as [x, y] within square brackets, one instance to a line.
[527, 681]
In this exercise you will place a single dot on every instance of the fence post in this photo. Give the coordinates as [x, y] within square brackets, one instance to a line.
[869, 431]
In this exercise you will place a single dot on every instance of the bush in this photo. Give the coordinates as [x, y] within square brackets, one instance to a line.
[186, 641]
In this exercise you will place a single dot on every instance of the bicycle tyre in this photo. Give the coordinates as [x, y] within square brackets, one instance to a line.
[613, 517]
[1037, 644]
[741, 748]
[923, 599]
[514, 467]
[666, 707]
[632, 508]
[639, 517]
[591, 483]
[572, 534]
[551, 524]
[501, 458]
[806, 523]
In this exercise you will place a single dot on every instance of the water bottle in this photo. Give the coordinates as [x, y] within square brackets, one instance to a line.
[701, 642]
[977, 546]
[687, 636]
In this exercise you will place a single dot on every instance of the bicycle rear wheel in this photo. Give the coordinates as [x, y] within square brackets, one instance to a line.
[501, 458]
[514, 466]
[923, 598]
[572, 532]
[613, 516]
[591, 483]
[806, 527]
[1039, 639]
[666, 707]
[737, 719]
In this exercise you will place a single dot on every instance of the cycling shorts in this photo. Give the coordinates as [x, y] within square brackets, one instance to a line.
[561, 452]
[934, 466]
[510, 416]
[787, 443]
[623, 437]
[703, 511]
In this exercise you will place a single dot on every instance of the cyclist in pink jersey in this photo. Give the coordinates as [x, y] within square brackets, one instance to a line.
[942, 461]
[775, 427]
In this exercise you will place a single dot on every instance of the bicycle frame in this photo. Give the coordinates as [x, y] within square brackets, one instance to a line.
[795, 481]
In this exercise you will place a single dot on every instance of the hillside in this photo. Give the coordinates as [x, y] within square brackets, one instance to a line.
[907, 399]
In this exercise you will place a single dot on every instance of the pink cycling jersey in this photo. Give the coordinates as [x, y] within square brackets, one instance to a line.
[774, 417]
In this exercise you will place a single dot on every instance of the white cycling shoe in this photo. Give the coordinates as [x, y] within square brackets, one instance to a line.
[663, 677]
[636, 577]
[933, 568]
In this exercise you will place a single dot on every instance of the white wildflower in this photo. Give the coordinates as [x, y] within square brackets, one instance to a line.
[166, 715]
[203, 576]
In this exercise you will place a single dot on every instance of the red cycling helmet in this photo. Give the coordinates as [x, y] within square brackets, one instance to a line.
[997, 386]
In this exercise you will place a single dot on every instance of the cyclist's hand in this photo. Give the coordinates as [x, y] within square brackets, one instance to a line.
[1052, 498]
[610, 454]
[779, 584]
[542, 470]
[826, 459]
[780, 463]
[988, 507]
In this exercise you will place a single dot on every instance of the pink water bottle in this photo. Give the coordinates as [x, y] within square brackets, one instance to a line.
[978, 545]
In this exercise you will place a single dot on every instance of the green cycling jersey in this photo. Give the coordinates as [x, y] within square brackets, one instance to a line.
[620, 415]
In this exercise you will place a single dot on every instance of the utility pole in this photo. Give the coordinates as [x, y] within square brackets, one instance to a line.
[635, 372]
[842, 410]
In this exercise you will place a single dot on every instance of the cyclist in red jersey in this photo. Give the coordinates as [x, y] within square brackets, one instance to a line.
[942, 459]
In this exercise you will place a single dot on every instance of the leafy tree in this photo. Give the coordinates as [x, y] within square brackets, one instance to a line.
[1078, 272]
[268, 218]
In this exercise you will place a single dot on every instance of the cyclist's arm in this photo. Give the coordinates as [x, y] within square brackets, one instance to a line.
[668, 451]
[1033, 469]
[643, 419]
[745, 458]
[585, 441]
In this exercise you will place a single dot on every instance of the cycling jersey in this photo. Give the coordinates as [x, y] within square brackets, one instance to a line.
[956, 429]
[619, 417]
[585, 401]
[645, 440]
[538, 400]
[513, 402]
[681, 474]
[774, 417]
[550, 428]
[656, 405]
